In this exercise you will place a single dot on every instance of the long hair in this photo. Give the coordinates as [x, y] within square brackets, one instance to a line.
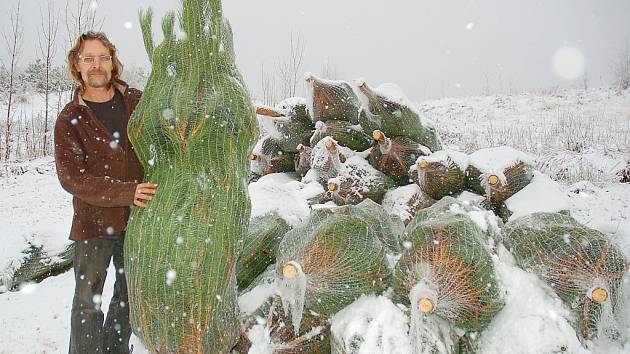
[73, 58]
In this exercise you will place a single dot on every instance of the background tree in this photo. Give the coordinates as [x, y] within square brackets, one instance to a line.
[81, 17]
[13, 44]
[290, 69]
[621, 68]
[47, 50]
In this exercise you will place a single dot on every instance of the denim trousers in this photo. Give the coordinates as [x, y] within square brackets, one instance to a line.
[90, 331]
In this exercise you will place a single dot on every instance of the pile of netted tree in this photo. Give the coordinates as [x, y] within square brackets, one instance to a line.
[395, 217]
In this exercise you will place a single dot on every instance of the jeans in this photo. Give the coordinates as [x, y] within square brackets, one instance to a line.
[88, 332]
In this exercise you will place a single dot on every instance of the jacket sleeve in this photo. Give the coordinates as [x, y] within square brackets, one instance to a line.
[100, 191]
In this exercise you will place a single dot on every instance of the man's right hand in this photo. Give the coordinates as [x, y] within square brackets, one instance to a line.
[144, 192]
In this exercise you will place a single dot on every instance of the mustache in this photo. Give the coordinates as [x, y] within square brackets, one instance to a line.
[96, 71]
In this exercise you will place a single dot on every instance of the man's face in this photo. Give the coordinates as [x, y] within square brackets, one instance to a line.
[96, 70]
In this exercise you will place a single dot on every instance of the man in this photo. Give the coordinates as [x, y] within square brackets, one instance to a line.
[98, 166]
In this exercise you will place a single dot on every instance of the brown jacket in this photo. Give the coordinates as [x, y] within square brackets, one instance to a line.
[101, 178]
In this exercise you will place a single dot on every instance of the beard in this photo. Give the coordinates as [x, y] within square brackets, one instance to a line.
[98, 78]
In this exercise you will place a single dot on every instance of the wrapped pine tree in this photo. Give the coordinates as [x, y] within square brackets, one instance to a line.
[388, 110]
[331, 100]
[330, 262]
[193, 131]
[581, 265]
[269, 329]
[328, 158]
[446, 275]
[302, 160]
[441, 173]
[498, 173]
[259, 247]
[345, 133]
[395, 156]
[267, 157]
[288, 124]
[406, 201]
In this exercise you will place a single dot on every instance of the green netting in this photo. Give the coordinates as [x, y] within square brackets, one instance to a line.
[332, 100]
[259, 247]
[39, 265]
[395, 119]
[314, 337]
[438, 179]
[395, 156]
[508, 181]
[582, 265]
[345, 133]
[330, 262]
[193, 131]
[445, 265]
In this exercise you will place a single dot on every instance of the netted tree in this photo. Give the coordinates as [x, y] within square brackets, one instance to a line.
[446, 276]
[326, 265]
[193, 131]
[582, 266]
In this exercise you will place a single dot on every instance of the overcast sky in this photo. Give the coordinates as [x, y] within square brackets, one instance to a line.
[429, 48]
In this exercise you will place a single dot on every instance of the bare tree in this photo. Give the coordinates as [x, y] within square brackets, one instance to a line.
[621, 68]
[268, 86]
[329, 70]
[81, 18]
[47, 49]
[289, 69]
[13, 43]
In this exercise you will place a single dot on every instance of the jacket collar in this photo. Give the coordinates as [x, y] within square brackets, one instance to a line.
[119, 85]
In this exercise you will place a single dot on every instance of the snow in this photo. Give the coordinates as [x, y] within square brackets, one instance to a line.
[443, 156]
[281, 192]
[373, 324]
[36, 319]
[395, 200]
[498, 158]
[542, 194]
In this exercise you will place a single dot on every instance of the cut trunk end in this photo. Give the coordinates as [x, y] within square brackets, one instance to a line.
[289, 271]
[423, 164]
[378, 136]
[426, 305]
[300, 148]
[264, 111]
[493, 180]
[330, 145]
[253, 157]
[332, 186]
[599, 295]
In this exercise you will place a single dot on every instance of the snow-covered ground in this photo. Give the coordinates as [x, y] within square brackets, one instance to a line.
[575, 135]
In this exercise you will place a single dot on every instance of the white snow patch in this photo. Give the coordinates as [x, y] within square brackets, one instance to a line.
[542, 194]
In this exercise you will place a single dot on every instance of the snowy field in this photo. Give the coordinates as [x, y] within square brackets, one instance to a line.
[579, 138]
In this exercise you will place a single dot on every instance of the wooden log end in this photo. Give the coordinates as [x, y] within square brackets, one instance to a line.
[599, 295]
[300, 148]
[332, 186]
[289, 271]
[378, 135]
[253, 157]
[426, 305]
[493, 180]
[330, 145]
[423, 164]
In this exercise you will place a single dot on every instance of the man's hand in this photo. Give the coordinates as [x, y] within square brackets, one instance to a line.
[144, 192]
